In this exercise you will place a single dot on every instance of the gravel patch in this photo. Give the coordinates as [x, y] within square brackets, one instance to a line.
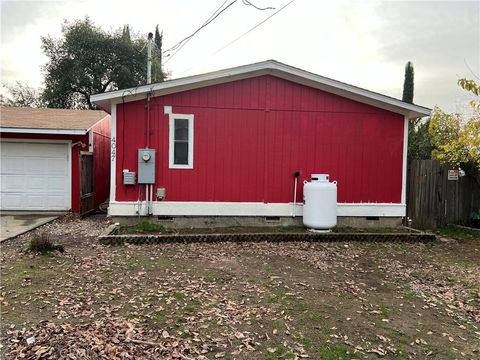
[66, 229]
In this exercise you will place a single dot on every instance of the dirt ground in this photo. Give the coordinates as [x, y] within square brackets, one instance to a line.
[238, 301]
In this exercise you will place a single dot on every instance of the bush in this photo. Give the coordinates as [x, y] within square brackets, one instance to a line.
[43, 244]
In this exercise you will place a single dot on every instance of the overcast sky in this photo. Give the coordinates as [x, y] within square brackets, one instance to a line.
[364, 43]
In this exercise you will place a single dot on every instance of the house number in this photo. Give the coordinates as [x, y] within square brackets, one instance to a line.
[114, 147]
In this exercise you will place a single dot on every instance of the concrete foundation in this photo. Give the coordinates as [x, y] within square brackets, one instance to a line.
[366, 222]
[180, 222]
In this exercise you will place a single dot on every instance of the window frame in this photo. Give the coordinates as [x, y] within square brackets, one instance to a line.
[171, 146]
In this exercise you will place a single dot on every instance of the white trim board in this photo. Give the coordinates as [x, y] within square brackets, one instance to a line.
[404, 161]
[113, 152]
[171, 141]
[41, 131]
[269, 67]
[90, 140]
[180, 208]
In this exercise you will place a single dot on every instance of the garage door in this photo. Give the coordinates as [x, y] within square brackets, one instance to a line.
[34, 176]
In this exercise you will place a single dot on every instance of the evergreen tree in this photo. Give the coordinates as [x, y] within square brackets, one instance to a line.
[419, 143]
[126, 34]
[408, 83]
[159, 75]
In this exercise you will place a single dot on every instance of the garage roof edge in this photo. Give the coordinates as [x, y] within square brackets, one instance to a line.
[20, 130]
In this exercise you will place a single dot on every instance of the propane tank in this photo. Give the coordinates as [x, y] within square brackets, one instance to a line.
[320, 202]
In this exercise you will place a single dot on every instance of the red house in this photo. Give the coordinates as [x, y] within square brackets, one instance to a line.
[54, 159]
[228, 143]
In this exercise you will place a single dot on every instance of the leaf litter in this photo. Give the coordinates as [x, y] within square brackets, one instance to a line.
[182, 301]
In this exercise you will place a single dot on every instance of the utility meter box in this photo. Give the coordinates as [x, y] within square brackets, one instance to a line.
[146, 166]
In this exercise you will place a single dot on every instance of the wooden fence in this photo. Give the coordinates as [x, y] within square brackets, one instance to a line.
[433, 200]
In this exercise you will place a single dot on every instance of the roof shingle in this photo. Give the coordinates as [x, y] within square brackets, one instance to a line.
[58, 119]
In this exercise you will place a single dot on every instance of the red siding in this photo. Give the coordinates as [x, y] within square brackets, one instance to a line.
[252, 135]
[101, 160]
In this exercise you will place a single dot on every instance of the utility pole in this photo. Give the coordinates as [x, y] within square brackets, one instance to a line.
[149, 58]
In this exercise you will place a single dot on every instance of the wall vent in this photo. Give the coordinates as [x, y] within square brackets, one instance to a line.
[165, 218]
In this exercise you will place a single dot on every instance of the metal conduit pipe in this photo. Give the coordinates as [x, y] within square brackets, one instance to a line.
[151, 200]
[296, 175]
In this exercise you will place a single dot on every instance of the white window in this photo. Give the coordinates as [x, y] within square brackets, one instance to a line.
[181, 141]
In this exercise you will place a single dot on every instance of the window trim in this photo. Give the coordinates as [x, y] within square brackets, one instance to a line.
[171, 145]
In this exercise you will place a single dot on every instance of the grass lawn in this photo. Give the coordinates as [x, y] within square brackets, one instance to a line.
[242, 301]
[458, 233]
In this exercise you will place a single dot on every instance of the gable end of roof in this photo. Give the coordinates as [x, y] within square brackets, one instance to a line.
[269, 67]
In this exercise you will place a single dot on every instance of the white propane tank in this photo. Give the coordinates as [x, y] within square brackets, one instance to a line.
[320, 202]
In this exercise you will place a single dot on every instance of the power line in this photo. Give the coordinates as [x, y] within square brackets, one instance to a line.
[246, 2]
[190, 36]
[178, 46]
[183, 42]
[210, 18]
[253, 28]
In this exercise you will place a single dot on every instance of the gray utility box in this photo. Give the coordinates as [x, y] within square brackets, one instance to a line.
[146, 166]
[128, 177]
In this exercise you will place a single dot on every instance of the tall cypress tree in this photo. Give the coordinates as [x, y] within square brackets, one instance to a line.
[419, 145]
[158, 39]
[126, 34]
[408, 83]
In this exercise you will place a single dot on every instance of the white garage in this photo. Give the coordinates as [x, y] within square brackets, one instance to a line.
[53, 159]
[35, 175]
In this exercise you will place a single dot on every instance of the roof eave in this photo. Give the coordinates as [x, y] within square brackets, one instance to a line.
[19, 130]
[105, 100]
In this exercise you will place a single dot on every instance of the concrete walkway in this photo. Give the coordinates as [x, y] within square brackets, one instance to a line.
[16, 223]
